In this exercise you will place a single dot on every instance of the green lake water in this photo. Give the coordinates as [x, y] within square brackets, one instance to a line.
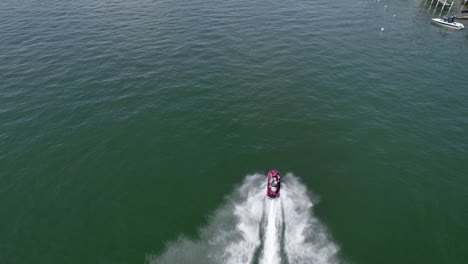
[141, 131]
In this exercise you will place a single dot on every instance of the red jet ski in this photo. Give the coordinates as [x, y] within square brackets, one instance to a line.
[273, 184]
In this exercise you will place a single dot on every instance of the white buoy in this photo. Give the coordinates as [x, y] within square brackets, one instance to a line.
[385, 6]
[382, 29]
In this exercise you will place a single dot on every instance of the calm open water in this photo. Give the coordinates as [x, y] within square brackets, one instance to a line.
[125, 124]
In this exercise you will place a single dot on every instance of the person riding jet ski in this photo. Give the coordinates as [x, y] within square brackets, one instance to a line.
[273, 184]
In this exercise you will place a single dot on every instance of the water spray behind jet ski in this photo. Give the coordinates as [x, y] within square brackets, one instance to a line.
[251, 227]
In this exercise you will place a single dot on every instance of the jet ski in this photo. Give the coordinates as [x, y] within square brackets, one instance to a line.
[273, 184]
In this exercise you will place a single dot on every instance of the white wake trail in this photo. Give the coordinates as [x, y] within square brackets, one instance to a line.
[232, 234]
[248, 212]
[272, 243]
[248, 228]
[306, 240]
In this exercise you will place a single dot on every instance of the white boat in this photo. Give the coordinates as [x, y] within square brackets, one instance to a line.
[447, 21]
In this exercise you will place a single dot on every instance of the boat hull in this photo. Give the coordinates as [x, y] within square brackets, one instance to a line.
[453, 25]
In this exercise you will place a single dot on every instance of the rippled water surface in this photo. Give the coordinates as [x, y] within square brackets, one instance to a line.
[127, 127]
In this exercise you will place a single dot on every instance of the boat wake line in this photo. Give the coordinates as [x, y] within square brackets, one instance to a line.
[249, 228]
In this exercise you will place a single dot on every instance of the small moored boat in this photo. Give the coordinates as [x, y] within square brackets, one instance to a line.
[448, 21]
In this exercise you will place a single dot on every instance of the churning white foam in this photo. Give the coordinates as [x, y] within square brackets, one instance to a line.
[273, 233]
[306, 240]
[249, 228]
